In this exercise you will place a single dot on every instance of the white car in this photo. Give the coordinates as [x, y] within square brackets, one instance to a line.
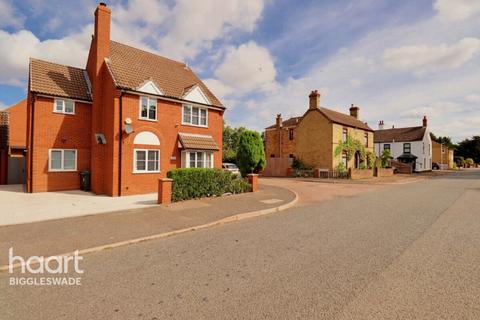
[231, 167]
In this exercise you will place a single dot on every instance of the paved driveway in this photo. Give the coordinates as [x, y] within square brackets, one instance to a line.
[16, 206]
[408, 252]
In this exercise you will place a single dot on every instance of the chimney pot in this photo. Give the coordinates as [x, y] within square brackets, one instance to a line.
[279, 121]
[381, 125]
[425, 121]
[103, 4]
[354, 111]
[314, 100]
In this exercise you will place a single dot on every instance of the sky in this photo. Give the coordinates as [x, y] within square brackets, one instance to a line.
[396, 60]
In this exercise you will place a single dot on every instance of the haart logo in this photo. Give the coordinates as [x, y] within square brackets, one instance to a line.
[54, 265]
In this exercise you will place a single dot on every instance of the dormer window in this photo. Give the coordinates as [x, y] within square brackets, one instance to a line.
[194, 116]
[148, 108]
[65, 106]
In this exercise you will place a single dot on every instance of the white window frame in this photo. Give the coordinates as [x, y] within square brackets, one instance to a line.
[135, 170]
[187, 158]
[191, 106]
[50, 169]
[63, 106]
[149, 98]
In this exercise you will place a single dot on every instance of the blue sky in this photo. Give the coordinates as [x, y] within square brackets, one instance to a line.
[397, 60]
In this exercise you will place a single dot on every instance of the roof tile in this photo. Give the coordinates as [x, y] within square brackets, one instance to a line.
[399, 134]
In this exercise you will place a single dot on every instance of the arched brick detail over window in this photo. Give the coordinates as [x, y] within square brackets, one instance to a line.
[147, 137]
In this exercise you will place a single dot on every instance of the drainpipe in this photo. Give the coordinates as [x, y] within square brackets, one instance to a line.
[120, 138]
[30, 152]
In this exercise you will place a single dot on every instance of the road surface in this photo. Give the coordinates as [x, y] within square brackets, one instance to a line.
[399, 252]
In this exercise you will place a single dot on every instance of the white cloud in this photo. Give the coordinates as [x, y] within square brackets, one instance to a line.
[474, 98]
[150, 12]
[456, 10]
[425, 58]
[245, 68]
[17, 48]
[196, 24]
[2, 105]
[9, 17]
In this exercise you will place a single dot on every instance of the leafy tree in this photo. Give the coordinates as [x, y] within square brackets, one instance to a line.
[385, 158]
[250, 152]
[371, 159]
[231, 138]
[446, 141]
[351, 146]
[469, 162]
[469, 148]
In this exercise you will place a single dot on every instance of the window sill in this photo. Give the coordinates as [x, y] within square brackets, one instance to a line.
[145, 119]
[60, 171]
[194, 125]
[145, 172]
[65, 113]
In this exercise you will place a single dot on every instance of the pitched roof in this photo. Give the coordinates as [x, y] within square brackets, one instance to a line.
[289, 122]
[399, 134]
[59, 80]
[131, 67]
[197, 141]
[345, 119]
[331, 115]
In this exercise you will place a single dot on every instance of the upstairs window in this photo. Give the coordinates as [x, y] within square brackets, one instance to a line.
[290, 134]
[148, 108]
[65, 106]
[194, 116]
[344, 134]
[366, 139]
[407, 148]
[386, 146]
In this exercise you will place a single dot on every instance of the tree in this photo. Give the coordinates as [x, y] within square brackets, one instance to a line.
[230, 142]
[385, 158]
[469, 148]
[250, 153]
[446, 141]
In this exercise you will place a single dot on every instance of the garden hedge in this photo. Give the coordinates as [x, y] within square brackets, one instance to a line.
[194, 183]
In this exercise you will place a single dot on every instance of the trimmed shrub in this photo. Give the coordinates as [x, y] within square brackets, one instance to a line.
[250, 153]
[194, 183]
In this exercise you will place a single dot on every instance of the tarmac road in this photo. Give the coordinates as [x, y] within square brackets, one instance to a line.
[399, 252]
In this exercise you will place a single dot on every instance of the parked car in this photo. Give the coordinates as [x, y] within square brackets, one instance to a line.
[231, 167]
[435, 166]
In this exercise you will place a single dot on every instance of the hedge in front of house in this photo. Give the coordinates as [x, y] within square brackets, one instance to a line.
[194, 183]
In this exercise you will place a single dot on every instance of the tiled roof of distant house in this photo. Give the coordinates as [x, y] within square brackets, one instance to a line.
[399, 134]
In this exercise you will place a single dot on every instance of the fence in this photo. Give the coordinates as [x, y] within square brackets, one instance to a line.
[277, 167]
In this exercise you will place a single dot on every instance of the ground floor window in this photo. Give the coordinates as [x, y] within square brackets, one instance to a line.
[62, 160]
[345, 160]
[146, 161]
[199, 159]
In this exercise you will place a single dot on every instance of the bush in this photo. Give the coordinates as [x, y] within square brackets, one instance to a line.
[194, 183]
[250, 153]
[299, 165]
[341, 168]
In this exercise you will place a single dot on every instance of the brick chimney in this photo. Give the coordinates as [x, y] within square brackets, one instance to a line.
[279, 121]
[354, 111]
[100, 48]
[314, 100]
[381, 125]
[424, 121]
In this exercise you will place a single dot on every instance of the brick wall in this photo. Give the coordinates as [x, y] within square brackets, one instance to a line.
[18, 124]
[166, 128]
[272, 144]
[59, 131]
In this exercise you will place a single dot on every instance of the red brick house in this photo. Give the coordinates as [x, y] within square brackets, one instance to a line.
[128, 118]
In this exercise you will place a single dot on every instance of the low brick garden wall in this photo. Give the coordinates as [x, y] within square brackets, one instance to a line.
[383, 172]
[356, 174]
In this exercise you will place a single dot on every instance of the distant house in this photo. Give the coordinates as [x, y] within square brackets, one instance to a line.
[442, 155]
[313, 137]
[411, 145]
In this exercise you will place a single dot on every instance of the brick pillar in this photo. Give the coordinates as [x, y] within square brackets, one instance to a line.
[316, 173]
[290, 172]
[164, 191]
[253, 180]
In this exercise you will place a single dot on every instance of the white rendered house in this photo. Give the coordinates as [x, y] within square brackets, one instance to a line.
[408, 145]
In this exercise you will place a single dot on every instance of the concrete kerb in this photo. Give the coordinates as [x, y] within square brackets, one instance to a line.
[237, 217]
